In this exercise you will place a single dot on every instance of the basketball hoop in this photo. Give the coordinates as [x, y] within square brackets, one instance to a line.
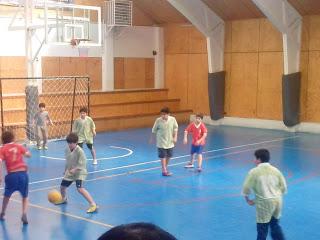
[82, 50]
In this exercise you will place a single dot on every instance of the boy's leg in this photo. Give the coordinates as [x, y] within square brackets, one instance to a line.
[93, 153]
[262, 229]
[190, 164]
[63, 190]
[276, 231]
[24, 218]
[5, 202]
[37, 129]
[199, 161]
[87, 196]
[44, 133]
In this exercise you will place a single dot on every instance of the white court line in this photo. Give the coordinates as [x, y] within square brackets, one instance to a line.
[65, 214]
[182, 156]
[90, 159]
[141, 170]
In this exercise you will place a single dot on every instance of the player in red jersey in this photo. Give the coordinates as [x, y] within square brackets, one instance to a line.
[199, 134]
[17, 178]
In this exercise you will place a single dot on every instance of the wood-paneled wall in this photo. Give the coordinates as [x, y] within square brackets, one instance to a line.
[131, 73]
[13, 66]
[74, 66]
[186, 67]
[254, 69]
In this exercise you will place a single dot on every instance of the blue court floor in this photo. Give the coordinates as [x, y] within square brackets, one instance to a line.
[128, 187]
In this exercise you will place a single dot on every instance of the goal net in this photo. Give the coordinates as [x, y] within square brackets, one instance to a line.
[62, 96]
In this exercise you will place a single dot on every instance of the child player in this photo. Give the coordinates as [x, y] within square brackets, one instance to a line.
[199, 134]
[85, 128]
[17, 177]
[75, 171]
[41, 121]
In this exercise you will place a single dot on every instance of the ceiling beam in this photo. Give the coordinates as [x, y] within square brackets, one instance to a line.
[289, 22]
[209, 24]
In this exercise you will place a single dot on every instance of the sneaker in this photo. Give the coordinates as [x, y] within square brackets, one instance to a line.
[63, 201]
[24, 219]
[94, 162]
[2, 216]
[199, 169]
[92, 209]
[166, 174]
[189, 165]
[39, 147]
[45, 147]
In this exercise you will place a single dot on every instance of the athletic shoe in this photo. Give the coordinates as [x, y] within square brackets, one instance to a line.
[189, 165]
[39, 147]
[24, 219]
[63, 201]
[1, 216]
[92, 209]
[45, 147]
[166, 174]
[94, 162]
[199, 169]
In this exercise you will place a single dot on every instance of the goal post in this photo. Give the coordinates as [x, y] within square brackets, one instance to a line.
[62, 96]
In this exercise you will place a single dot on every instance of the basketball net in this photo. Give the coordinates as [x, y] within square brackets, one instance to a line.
[82, 50]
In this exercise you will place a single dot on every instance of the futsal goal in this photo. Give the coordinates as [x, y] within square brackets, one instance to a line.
[63, 97]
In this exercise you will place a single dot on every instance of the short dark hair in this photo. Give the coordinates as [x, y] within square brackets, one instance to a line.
[42, 105]
[83, 109]
[262, 154]
[199, 115]
[72, 138]
[7, 137]
[165, 110]
[137, 231]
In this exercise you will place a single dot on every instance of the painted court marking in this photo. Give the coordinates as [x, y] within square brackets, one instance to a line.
[65, 214]
[90, 159]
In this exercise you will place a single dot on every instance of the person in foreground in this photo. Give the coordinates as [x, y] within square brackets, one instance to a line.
[75, 171]
[137, 231]
[165, 128]
[17, 178]
[268, 185]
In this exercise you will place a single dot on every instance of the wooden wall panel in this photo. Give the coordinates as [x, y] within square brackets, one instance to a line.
[50, 66]
[176, 39]
[269, 101]
[12, 66]
[227, 67]
[304, 59]
[176, 77]
[313, 90]
[134, 73]
[270, 37]
[149, 73]
[228, 39]
[245, 35]
[305, 33]
[94, 70]
[198, 98]
[197, 41]
[243, 80]
[67, 67]
[140, 18]
[119, 73]
[314, 33]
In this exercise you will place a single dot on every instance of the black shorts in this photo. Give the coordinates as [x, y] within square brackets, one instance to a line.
[66, 183]
[89, 145]
[165, 153]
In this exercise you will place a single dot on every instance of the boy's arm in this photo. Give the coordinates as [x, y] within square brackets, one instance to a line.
[93, 128]
[246, 189]
[0, 171]
[175, 131]
[185, 137]
[49, 119]
[27, 154]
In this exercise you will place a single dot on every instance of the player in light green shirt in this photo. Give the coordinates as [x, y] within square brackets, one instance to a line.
[166, 130]
[75, 171]
[268, 184]
[85, 128]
